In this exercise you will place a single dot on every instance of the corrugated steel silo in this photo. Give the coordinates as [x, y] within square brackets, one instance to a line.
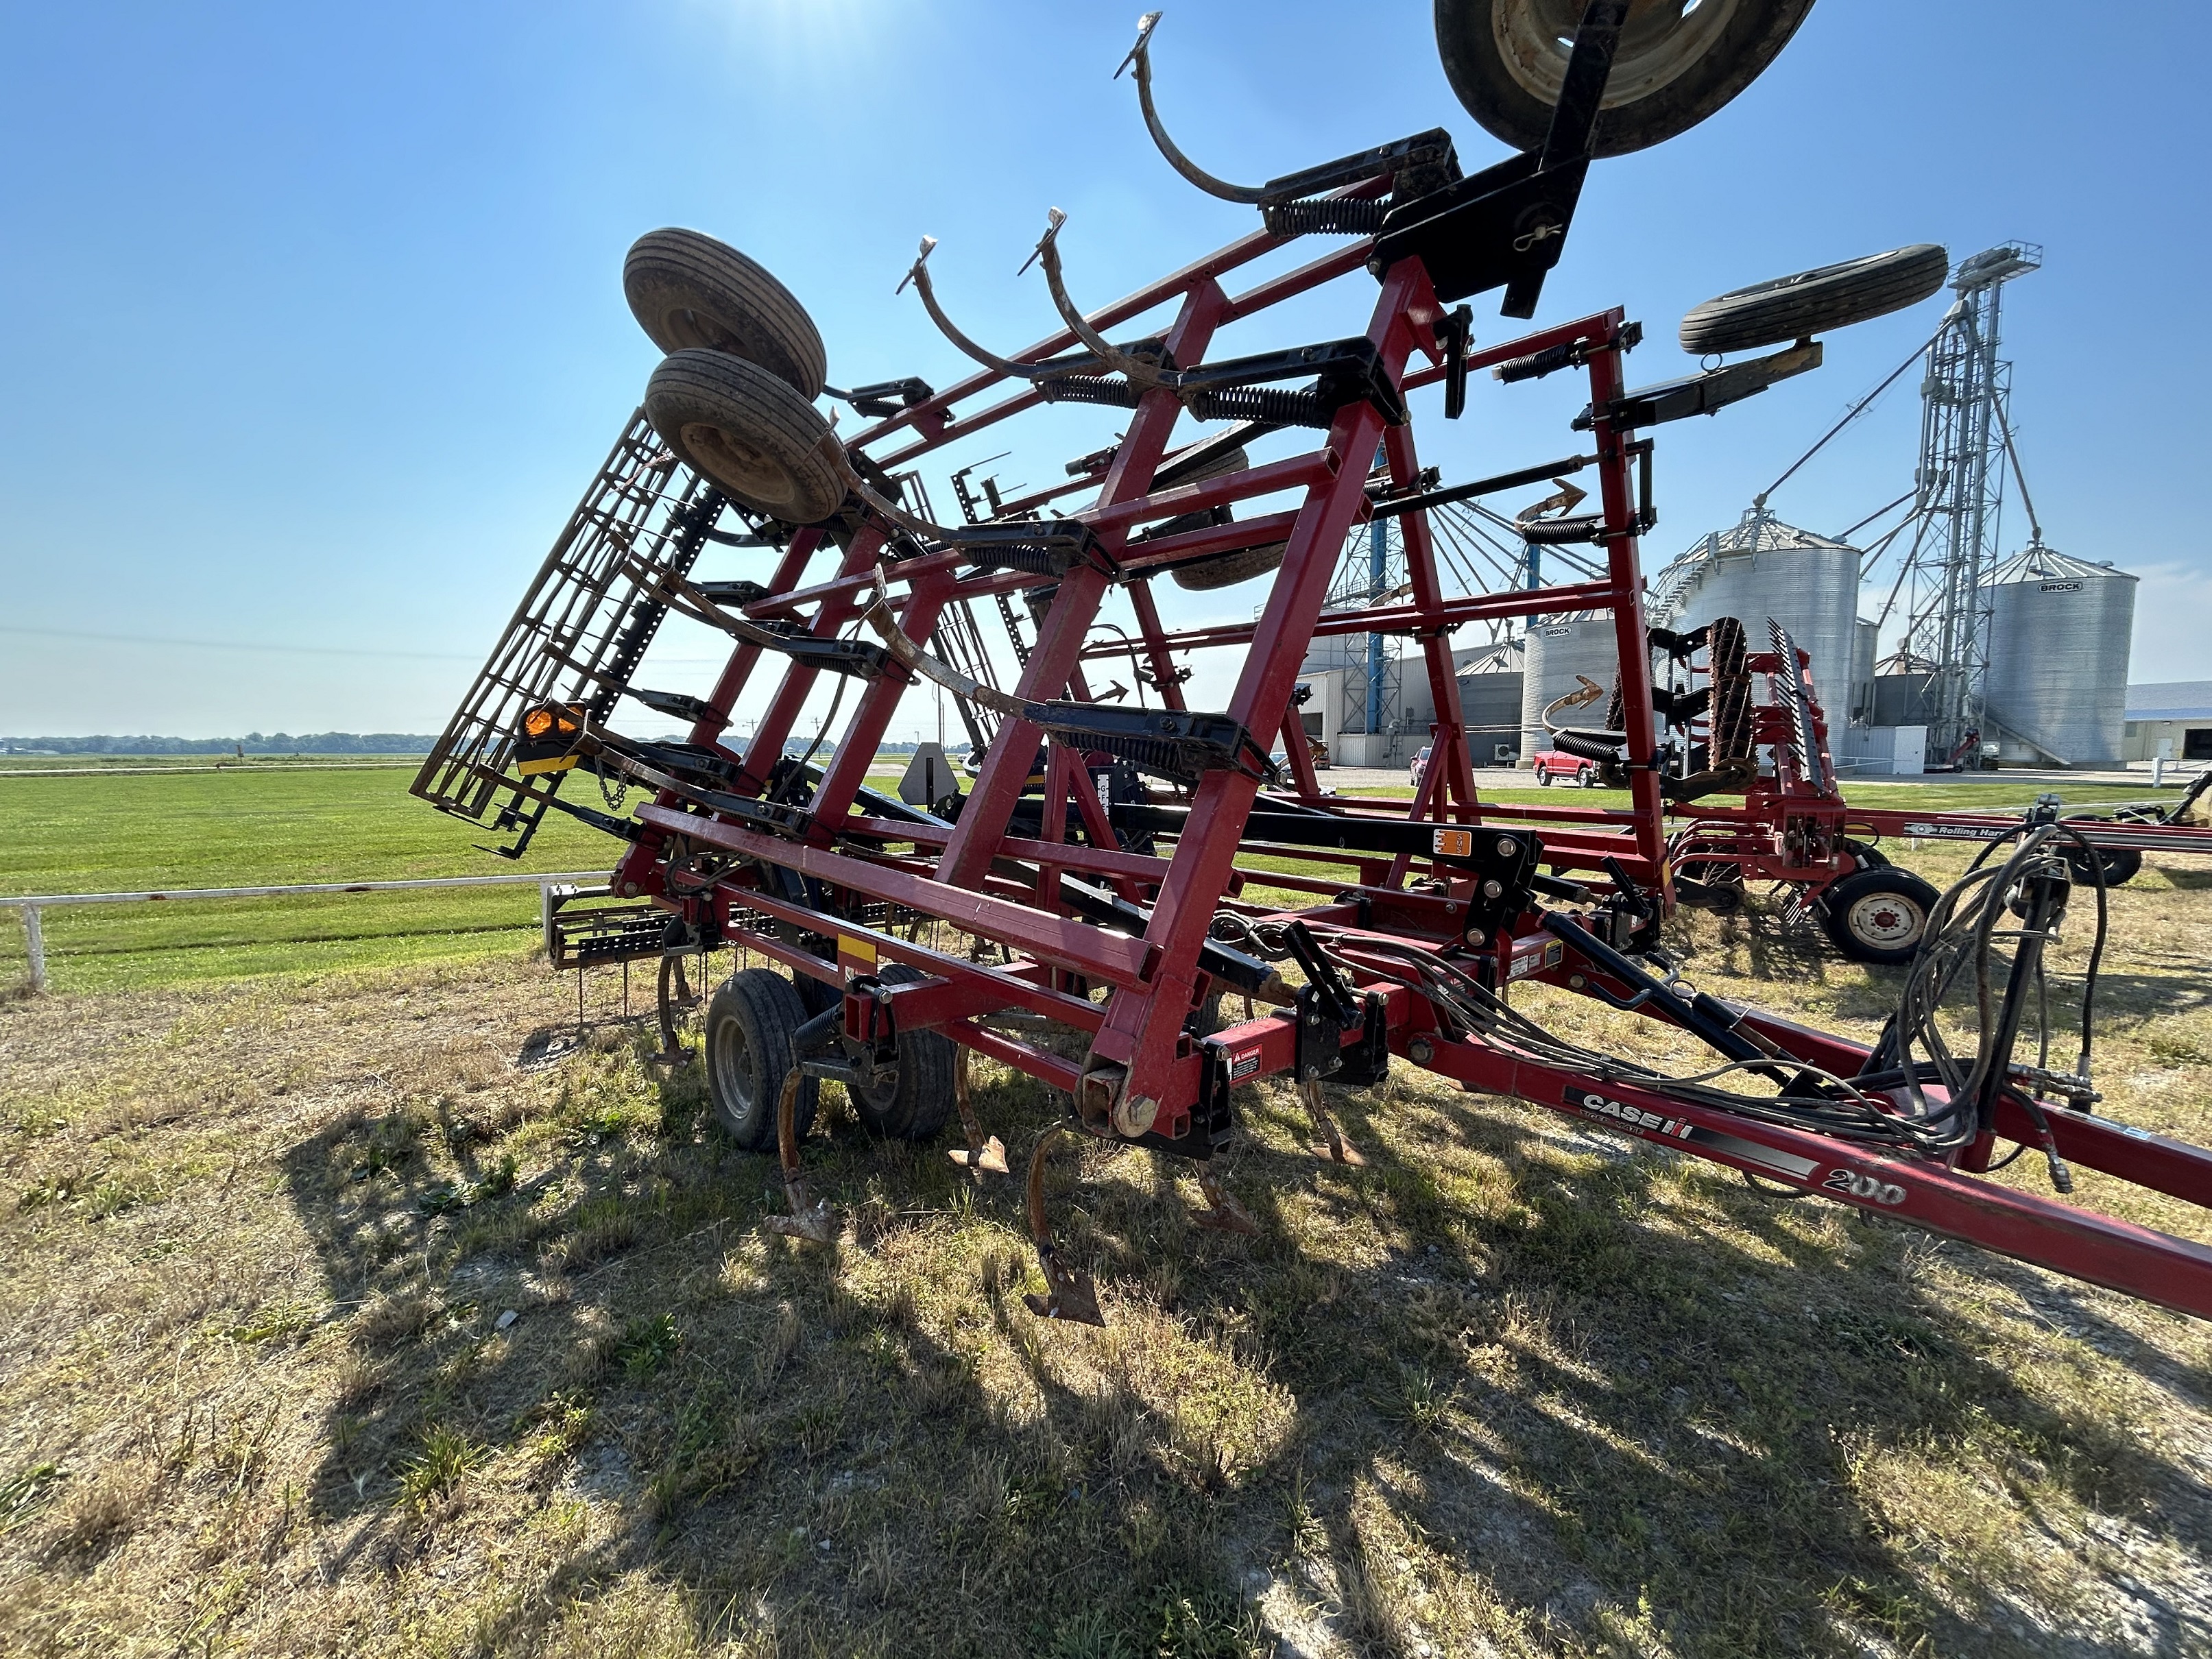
[1557, 652]
[1763, 567]
[2059, 628]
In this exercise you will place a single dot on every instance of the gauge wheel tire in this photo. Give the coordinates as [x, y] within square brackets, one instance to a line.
[917, 1104]
[1833, 296]
[1227, 569]
[1878, 916]
[749, 1023]
[1721, 880]
[686, 290]
[1506, 60]
[2122, 864]
[1869, 856]
[747, 432]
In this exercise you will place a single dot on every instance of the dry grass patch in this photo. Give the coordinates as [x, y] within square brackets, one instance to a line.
[400, 1348]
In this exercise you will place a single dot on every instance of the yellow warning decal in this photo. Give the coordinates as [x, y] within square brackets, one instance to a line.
[1453, 843]
[856, 949]
[532, 769]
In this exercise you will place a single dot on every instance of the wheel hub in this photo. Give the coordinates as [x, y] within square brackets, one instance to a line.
[1885, 921]
[755, 474]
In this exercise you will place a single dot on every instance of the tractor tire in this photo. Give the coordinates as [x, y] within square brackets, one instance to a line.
[686, 290]
[747, 432]
[1878, 916]
[749, 1023]
[915, 1104]
[1833, 296]
[1507, 59]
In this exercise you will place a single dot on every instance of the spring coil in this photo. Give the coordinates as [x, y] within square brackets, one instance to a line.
[1326, 217]
[1262, 402]
[1089, 389]
[1587, 747]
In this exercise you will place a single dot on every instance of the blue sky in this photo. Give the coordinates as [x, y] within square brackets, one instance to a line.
[312, 327]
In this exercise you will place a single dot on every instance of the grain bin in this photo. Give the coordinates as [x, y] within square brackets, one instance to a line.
[1555, 653]
[1763, 567]
[2057, 688]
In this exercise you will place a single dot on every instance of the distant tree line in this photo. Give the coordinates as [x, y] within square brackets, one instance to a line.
[254, 742]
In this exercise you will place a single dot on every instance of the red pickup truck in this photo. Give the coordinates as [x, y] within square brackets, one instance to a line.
[1551, 763]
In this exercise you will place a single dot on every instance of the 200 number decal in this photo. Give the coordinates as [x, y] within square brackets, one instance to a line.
[1852, 1184]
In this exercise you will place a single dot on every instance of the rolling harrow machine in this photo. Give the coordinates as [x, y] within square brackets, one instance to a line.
[1089, 891]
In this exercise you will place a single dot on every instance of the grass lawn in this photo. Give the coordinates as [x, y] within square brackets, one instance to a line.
[254, 826]
[328, 1324]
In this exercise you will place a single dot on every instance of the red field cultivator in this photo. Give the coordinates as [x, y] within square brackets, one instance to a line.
[1095, 899]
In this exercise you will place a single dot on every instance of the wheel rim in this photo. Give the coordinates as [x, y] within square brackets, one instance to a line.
[728, 459]
[1886, 921]
[733, 1069]
[1659, 44]
[691, 327]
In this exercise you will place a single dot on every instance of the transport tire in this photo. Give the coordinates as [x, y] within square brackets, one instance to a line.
[1833, 296]
[1506, 60]
[749, 1023]
[687, 289]
[915, 1104]
[747, 432]
[1878, 916]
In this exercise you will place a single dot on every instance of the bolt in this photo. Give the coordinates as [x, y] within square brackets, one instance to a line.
[1476, 936]
[1494, 889]
[1577, 982]
[1507, 847]
[1135, 1116]
[1420, 1051]
[629, 890]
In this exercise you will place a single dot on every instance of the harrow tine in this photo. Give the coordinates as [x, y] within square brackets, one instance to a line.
[988, 1155]
[810, 1218]
[1072, 1295]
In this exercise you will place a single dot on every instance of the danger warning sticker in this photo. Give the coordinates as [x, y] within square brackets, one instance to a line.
[1453, 843]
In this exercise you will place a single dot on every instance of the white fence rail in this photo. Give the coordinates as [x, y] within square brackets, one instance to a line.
[32, 905]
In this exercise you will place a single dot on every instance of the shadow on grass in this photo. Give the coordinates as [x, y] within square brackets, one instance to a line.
[1566, 1392]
